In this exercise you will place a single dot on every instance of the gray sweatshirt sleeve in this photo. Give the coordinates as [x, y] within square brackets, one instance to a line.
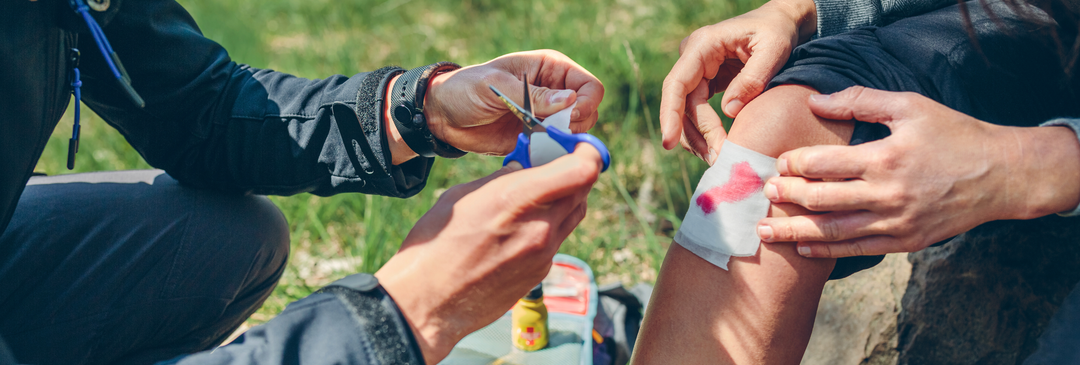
[838, 16]
[1073, 123]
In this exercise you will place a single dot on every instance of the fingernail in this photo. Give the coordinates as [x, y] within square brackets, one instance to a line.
[712, 156]
[575, 115]
[771, 192]
[820, 97]
[765, 233]
[733, 107]
[560, 96]
[781, 166]
[804, 250]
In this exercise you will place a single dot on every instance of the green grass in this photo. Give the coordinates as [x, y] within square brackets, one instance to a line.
[629, 44]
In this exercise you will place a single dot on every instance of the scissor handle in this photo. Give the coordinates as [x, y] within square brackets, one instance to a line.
[569, 143]
[520, 152]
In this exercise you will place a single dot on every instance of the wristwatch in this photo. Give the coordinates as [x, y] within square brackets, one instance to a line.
[407, 110]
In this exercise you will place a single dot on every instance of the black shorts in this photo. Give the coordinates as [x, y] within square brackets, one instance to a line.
[1012, 75]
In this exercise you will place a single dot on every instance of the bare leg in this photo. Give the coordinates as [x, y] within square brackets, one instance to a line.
[762, 311]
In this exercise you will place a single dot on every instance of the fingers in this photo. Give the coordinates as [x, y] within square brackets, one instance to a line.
[827, 162]
[821, 196]
[590, 92]
[456, 192]
[762, 65]
[547, 101]
[553, 70]
[835, 226]
[708, 124]
[571, 222]
[672, 108]
[700, 61]
[693, 141]
[560, 178]
[866, 246]
[867, 105]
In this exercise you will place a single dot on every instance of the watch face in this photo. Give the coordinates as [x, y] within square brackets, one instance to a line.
[403, 113]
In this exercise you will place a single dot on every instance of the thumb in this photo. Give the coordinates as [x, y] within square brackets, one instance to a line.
[562, 177]
[549, 101]
[545, 101]
[863, 104]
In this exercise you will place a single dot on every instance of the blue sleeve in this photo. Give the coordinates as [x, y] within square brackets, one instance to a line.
[213, 123]
[838, 16]
[1074, 124]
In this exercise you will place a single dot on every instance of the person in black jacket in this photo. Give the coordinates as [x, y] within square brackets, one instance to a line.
[148, 266]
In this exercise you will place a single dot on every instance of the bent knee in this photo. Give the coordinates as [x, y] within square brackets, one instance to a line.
[779, 120]
[263, 228]
[246, 229]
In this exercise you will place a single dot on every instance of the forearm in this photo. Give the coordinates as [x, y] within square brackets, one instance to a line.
[285, 135]
[213, 123]
[802, 12]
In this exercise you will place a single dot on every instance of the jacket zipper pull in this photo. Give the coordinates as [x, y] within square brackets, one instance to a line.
[111, 59]
[76, 86]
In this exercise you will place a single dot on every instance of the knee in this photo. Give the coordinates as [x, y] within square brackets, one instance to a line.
[779, 120]
[266, 231]
[245, 229]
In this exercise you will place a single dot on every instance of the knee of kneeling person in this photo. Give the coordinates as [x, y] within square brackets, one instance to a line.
[271, 221]
[250, 228]
[264, 223]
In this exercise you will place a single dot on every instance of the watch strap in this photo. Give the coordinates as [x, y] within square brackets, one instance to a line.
[407, 110]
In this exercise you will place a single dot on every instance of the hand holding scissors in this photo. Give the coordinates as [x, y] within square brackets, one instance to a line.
[531, 124]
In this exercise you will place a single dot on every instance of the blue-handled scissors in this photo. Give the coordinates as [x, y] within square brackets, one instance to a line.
[532, 124]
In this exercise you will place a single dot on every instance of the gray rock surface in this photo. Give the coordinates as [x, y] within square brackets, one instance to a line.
[986, 296]
[856, 317]
[983, 298]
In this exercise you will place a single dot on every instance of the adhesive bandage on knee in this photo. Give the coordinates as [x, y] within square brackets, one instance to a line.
[727, 206]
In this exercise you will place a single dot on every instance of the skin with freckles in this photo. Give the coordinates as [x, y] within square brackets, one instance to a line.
[939, 173]
[762, 311]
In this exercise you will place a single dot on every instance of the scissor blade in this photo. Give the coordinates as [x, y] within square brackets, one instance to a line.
[527, 96]
[531, 123]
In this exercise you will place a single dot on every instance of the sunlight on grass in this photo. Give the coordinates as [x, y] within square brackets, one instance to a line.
[629, 44]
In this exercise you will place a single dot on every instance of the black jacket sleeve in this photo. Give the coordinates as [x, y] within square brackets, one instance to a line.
[336, 325]
[210, 122]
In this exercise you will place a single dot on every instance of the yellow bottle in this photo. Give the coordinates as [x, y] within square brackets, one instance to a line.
[528, 318]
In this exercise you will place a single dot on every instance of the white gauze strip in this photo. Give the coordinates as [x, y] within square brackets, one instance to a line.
[543, 149]
[727, 205]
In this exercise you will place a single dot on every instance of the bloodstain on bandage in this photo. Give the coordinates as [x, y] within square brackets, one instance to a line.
[744, 182]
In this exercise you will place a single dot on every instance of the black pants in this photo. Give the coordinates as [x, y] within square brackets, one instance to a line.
[131, 267]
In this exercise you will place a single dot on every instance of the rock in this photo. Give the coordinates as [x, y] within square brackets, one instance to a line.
[982, 298]
[986, 296]
[856, 317]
